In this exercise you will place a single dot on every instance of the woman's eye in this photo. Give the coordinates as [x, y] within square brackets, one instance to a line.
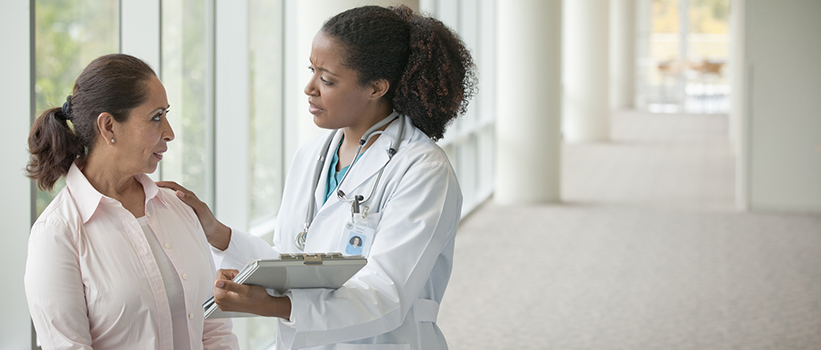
[311, 68]
[325, 81]
[157, 117]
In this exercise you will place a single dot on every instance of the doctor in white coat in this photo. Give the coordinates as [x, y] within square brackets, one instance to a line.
[386, 81]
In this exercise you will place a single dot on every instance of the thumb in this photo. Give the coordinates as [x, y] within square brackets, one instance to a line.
[228, 286]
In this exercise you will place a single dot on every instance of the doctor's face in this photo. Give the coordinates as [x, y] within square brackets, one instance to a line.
[335, 97]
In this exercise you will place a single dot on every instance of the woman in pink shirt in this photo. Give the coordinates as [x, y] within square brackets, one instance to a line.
[114, 262]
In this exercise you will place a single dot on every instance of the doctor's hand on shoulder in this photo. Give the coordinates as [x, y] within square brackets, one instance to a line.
[230, 296]
[217, 233]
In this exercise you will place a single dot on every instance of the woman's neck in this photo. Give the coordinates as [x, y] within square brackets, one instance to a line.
[109, 180]
[353, 134]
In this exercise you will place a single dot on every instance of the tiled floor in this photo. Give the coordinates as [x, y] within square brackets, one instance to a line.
[645, 252]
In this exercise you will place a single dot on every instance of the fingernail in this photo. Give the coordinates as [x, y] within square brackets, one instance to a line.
[220, 284]
[180, 194]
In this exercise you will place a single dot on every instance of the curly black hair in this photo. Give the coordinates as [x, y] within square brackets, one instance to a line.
[430, 71]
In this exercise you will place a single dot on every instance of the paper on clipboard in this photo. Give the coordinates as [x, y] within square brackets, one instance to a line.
[292, 271]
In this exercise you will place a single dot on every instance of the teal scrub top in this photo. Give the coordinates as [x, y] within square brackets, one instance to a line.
[335, 177]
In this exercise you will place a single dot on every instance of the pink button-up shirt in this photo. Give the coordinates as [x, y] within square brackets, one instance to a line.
[92, 281]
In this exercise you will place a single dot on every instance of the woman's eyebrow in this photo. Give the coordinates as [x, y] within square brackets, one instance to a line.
[323, 69]
[162, 109]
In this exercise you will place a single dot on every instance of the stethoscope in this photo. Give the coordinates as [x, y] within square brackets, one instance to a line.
[359, 199]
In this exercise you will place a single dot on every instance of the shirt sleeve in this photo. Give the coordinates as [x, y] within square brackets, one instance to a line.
[54, 288]
[417, 224]
[218, 334]
[242, 248]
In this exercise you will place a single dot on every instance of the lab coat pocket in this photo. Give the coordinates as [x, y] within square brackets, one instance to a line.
[358, 234]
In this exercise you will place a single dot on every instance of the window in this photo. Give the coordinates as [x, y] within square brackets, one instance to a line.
[266, 135]
[68, 36]
[469, 142]
[187, 73]
[684, 64]
[266, 125]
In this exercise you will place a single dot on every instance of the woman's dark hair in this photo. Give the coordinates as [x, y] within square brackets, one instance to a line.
[355, 238]
[430, 71]
[113, 83]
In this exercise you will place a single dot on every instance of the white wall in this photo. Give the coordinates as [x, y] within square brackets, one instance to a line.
[16, 206]
[783, 104]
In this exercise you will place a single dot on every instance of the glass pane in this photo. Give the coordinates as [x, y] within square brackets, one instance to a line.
[186, 71]
[707, 84]
[68, 35]
[266, 151]
[266, 133]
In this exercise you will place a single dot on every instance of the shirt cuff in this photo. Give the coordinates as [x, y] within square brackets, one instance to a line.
[291, 322]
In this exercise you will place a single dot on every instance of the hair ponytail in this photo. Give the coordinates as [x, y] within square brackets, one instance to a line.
[439, 80]
[53, 147]
[431, 72]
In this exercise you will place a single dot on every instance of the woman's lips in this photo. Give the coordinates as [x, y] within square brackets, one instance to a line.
[313, 109]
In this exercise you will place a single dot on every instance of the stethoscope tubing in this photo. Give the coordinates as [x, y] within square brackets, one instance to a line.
[358, 199]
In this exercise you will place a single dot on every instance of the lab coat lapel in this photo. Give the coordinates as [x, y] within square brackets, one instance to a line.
[319, 194]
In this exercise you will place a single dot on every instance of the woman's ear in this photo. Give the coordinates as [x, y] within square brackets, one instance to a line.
[379, 88]
[105, 124]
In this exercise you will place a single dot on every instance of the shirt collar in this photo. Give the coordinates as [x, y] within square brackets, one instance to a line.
[88, 199]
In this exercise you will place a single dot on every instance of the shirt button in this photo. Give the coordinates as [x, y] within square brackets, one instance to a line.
[191, 316]
[147, 214]
[184, 276]
[168, 245]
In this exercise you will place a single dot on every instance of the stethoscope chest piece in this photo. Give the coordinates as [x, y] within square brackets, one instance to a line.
[300, 239]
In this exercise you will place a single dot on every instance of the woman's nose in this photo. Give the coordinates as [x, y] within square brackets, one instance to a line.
[168, 133]
[310, 88]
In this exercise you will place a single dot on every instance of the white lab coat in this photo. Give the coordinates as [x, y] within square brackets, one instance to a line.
[392, 303]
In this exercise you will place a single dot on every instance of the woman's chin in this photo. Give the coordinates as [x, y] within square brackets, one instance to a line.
[150, 169]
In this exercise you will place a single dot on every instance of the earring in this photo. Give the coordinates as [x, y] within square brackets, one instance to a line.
[112, 140]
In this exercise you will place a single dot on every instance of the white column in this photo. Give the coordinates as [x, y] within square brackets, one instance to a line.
[738, 102]
[528, 141]
[307, 17]
[140, 23]
[232, 113]
[16, 208]
[586, 71]
[140, 30]
[622, 54]
[644, 61]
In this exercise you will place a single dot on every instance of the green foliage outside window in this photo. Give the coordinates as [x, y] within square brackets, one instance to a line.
[68, 35]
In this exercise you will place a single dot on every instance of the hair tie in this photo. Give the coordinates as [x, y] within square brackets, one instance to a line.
[66, 110]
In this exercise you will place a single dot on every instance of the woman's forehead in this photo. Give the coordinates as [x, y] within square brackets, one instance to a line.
[326, 53]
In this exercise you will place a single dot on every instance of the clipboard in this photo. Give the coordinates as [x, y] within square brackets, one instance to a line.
[292, 271]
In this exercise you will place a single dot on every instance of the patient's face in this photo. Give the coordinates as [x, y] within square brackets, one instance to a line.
[143, 138]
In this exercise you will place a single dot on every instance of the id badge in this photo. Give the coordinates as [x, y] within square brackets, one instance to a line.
[358, 236]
